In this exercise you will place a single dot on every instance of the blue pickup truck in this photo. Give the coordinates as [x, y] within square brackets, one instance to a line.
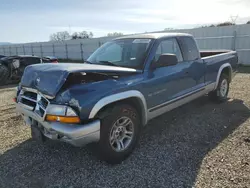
[125, 83]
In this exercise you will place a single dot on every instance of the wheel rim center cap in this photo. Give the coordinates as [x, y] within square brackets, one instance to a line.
[119, 132]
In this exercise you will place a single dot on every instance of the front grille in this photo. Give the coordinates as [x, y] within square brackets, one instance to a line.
[30, 95]
[35, 101]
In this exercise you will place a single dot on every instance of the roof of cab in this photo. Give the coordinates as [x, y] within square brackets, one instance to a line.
[153, 35]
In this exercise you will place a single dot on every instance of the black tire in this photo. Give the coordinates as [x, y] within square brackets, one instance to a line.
[104, 149]
[217, 95]
[4, 74]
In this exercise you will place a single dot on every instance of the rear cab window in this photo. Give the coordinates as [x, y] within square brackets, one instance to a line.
[189, 48]
[30, 60]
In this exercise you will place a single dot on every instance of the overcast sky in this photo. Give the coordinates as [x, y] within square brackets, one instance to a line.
[35, 20]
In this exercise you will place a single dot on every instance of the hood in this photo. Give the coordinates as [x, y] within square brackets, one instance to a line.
[50, 78]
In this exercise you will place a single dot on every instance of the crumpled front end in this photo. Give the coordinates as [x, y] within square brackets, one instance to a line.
[50, 78]
[36, 108]
[56, 99]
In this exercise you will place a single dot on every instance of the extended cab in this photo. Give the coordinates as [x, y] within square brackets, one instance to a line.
[123, 84]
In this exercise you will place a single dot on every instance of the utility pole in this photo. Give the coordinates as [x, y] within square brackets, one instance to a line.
[234, 19]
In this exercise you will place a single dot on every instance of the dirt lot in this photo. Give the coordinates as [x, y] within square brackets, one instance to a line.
[201, 144]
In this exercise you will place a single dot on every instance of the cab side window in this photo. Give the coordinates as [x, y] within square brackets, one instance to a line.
[169, 46]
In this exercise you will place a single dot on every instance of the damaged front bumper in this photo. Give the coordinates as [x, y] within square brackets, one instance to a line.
[74, 134]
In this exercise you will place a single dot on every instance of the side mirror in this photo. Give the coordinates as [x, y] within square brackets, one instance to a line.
[166, 60]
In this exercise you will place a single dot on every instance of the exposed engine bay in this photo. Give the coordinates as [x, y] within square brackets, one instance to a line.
[89, 77]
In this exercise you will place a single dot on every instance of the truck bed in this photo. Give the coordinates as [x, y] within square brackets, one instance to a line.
[215, 59]
[206, 53]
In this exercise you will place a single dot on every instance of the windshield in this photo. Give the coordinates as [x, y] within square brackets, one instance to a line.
[129, 53]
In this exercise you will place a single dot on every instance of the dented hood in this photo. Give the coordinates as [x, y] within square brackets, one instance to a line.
[49, 78]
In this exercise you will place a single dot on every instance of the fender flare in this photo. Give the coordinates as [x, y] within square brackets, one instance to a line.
[225, 65]
[118, 97]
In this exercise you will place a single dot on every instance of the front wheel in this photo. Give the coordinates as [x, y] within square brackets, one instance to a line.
[119, 134]
[221, 92]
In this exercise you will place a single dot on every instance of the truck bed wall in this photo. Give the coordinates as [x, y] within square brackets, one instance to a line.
[212, 52]
[214, 62]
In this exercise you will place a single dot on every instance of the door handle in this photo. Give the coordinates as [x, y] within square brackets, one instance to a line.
[186, 72]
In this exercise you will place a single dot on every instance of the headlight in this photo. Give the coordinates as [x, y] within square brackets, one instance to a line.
[59, 110]
[60, 113]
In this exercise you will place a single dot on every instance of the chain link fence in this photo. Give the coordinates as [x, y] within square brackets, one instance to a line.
[229, 37]
[63, 51]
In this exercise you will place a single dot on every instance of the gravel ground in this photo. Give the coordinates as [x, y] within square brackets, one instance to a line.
[201, 144]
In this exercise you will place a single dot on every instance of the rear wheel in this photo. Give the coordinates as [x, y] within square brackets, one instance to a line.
[119, 134]
[4, 74]
[221, 92]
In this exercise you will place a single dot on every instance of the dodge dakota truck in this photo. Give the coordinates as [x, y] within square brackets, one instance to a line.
[125, 83]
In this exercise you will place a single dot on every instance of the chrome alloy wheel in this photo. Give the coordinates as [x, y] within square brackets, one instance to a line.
[121, 134]
[223, 88]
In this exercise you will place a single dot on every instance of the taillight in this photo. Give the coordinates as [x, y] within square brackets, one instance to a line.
[55, 61]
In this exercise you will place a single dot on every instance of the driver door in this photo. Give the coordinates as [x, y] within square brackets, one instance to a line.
[167, 83]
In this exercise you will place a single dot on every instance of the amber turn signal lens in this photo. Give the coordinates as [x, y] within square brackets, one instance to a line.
[63, 119]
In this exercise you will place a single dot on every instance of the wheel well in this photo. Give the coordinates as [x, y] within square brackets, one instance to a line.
[133, 101]
[227, 71]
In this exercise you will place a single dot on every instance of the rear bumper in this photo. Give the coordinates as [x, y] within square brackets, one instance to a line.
[74, 134]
